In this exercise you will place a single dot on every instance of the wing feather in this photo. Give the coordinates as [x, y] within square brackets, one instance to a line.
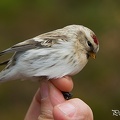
[41, 41]
[23, 46]
[4, 62]
[44, 40]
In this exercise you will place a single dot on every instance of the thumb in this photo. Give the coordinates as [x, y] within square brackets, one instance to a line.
[74, 109]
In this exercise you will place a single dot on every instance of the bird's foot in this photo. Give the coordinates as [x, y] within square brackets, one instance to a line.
[67, 95]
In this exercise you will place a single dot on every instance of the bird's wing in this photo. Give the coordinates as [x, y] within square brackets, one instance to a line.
[22, 46]
[41, 41]
[4, 62]
[44, 40]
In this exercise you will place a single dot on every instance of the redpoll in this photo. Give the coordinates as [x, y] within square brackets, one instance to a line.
[53, 55]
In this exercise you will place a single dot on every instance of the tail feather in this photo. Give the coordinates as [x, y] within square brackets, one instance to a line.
[5, 51]
[5, 62]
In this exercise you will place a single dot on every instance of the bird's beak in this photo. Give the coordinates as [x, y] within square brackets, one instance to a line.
[92, 55]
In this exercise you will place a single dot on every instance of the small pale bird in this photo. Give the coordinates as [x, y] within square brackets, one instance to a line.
[53, 54]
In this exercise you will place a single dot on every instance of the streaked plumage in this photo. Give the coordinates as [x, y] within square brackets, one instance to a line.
[54, 54]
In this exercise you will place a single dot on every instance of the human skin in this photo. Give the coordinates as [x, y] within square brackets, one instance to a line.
[49, 103]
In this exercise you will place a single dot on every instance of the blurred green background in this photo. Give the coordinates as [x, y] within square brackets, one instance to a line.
[98, 84]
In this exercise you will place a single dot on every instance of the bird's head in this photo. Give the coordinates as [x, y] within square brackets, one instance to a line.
[89, 41]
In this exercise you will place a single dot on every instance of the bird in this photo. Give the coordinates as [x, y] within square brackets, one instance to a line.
[54, 54]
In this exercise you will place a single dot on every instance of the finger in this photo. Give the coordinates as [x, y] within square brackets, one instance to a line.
[46, 107]
[53, 97]
[74, 109]
[56, 96]
[63, 84]
[47, 92]
[41, 105]
[34, 109]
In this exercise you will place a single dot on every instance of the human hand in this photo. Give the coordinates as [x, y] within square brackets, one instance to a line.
[49, 103]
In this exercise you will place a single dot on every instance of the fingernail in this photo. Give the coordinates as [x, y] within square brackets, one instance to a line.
[44, 90]
[68, 109]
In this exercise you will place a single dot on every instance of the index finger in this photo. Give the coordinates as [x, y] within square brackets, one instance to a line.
[63, 84]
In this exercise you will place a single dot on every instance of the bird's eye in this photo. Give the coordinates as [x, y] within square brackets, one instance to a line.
[89, 43]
